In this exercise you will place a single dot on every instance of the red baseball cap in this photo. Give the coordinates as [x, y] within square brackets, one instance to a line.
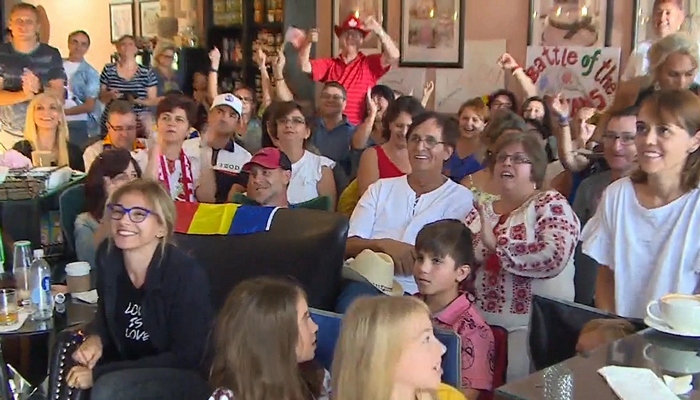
[351, 22]
[269, 158]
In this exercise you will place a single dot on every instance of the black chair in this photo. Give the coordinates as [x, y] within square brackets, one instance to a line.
[5, 389]
[306, 245]
[555, 326]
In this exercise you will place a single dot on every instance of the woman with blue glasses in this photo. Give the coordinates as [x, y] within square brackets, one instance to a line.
[154, 309]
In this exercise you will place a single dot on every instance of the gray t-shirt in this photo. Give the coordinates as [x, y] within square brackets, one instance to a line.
[45, 62]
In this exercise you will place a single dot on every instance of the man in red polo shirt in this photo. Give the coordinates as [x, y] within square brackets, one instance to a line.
[352, 69]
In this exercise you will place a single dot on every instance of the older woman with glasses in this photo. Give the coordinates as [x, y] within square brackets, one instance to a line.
[312, 174]
[524, 241]
[154, 312]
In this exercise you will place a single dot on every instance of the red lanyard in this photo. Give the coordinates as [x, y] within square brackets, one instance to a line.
[185, 172]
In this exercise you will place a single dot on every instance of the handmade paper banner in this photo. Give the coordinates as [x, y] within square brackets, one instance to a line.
[585, 76]
[222, 219]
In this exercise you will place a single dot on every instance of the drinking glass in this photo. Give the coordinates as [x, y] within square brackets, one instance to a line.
[22, 260]
[9, 311]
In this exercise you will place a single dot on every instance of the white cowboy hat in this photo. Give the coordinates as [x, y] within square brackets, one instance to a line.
[377, 269]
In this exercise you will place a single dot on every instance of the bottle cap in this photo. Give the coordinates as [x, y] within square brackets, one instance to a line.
[38, 253]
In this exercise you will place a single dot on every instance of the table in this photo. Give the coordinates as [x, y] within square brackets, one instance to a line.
[577, 378]
[21, 219]
[28, 348]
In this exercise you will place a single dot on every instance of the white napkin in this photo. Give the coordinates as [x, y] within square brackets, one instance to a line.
[88, 297]
[23, 315]
[636, 383]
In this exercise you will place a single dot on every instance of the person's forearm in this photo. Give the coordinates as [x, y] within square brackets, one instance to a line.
[266, 87]
[305, 58]
[282, 91]
[363, 132]
[391, 51]
[11, 98]
[605, 289]
[569, 159]
[525, 82]
[84, 108]
[206, 191]
[355, 245]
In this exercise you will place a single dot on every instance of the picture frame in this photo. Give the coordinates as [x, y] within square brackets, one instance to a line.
[432, 34]
[121, 20]
[643, 27]
[149, 12]
[586, 23]
[363, 8]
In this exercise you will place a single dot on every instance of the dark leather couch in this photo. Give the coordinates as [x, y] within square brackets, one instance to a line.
[306, 245]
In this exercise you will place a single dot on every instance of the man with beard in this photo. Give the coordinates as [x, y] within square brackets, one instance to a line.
[226, 156]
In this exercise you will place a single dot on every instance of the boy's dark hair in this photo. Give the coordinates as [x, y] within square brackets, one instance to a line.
[450, 237]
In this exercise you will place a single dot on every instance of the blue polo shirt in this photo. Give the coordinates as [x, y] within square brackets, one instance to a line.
[334, 143]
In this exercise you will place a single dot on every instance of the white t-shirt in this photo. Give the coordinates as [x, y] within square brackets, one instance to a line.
[390, 209]
[652, 252]
[638, 62]
[306, 173]
[94, 150]
[71, 67]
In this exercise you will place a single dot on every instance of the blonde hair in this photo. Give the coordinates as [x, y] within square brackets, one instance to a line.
[369, 347]
[612, 328]
[161, 48]
[60, 149]
[679, 42]
[162, 204]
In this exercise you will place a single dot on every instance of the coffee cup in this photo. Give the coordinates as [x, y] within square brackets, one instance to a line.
[679, 311]
[78, 277]
[42, 158]
[675, 360]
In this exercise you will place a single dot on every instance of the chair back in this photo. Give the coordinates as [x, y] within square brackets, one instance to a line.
[5, 388]
[306, 245]
[71, 203]
[555, 326]
[329, 325]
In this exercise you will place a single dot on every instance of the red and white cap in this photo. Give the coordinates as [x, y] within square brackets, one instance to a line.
[351, 22]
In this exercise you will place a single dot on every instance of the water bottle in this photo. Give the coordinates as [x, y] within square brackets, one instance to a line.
[42, 301]
[21, 261]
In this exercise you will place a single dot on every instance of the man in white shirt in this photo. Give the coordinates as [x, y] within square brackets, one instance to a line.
[227, 156]
[81, 91]
[121, 133]
[392, 211]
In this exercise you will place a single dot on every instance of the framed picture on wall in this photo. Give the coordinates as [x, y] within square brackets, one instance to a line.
[149, 12]
[644, 20]
[121, 20]
[362, 9]
[432, 34]
[585, 23]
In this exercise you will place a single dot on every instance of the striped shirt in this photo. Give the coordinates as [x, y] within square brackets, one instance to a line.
[137, 86]
[357, 77]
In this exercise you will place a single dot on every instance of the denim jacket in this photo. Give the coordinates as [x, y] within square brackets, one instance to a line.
[85, 84]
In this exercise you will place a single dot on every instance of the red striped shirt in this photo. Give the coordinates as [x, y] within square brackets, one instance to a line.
[357, 77]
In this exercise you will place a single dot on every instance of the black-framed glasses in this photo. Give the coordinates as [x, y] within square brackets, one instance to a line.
[335, 97]
[296, 121]
[136, 214]
[626, 138]
[517, 158]
[430, 141]
[120, 129]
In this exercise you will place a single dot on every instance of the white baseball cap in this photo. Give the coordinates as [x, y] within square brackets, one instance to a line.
[227, 99]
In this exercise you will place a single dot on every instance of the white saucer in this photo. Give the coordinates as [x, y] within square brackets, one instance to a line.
[667, 329]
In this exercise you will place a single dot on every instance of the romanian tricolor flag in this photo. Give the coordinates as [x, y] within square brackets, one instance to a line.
[222, 219]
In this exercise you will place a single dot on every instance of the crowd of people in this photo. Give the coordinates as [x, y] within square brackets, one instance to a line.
[474, 213]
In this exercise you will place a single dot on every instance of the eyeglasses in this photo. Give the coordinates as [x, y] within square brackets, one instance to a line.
[517, 158]
[430, 141]
[136, 214]
[328, 96]
[662, 131]
[120, 129]
[626, 138]
[294, 121]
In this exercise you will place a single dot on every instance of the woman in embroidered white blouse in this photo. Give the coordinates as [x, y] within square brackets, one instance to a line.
[181, 171]
[524, 241]
[644, 233]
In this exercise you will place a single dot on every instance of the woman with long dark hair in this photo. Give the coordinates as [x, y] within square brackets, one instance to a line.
[112, 169]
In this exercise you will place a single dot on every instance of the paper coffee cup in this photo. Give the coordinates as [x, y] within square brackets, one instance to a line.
[78, 277]
[42, 158]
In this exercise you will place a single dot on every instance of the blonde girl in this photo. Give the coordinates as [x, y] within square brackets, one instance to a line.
[46, 128]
